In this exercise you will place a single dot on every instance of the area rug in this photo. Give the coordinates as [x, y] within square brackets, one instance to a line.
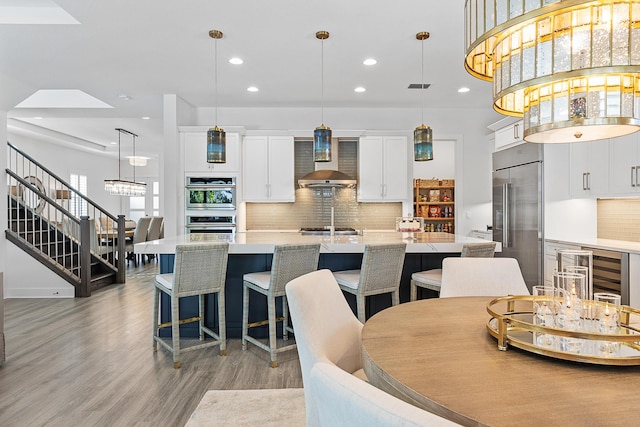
[264, 408]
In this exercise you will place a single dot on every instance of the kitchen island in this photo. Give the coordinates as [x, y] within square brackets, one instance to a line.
[253, 251]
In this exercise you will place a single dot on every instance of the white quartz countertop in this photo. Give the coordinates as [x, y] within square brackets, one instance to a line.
[606, 244]
[264, 242]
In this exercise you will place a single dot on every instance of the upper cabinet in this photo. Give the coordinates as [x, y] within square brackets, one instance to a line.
[625, 164]
[508, 135]
[383, 169]
[589, 168]
[268, 169]
[195, 153]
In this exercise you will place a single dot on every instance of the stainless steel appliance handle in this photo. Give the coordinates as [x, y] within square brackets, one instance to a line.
[505, 215]
[633, 175]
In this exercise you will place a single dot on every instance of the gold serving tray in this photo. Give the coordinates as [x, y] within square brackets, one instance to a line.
[511, 323]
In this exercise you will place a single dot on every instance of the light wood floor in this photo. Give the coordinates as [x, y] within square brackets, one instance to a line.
[89, 362]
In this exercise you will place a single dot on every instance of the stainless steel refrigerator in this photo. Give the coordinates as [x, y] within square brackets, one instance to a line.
[518, 215]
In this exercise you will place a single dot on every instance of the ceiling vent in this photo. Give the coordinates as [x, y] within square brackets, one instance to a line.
[419, 86]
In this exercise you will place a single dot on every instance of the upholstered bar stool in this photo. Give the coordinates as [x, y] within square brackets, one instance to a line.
[432, 279]
[197, 270]
[289, 262]
[379, 273]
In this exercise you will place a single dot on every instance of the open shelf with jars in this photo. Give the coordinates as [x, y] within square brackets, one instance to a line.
[434, 200]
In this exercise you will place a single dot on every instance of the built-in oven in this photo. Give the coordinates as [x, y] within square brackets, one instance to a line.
[211, 224]
[210, 193]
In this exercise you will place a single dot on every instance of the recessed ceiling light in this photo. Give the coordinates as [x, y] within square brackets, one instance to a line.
[360, 89]
[146, 118]
[252, 89]
[37, 118]
[236, 61]
[124, 96]
[370, 61]
[113, 143]
[463, 90]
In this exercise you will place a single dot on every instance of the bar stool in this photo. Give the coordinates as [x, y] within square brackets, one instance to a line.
[197, 270]
[432, 279]
[380, 273]
[289, 262]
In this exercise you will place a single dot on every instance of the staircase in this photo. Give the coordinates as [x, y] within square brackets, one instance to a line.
[86, 251]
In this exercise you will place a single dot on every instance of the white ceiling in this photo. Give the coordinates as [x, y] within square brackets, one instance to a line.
[147, 48]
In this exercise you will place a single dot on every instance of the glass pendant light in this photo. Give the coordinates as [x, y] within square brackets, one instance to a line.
[216, 138]
[422, 135]
[322, 134]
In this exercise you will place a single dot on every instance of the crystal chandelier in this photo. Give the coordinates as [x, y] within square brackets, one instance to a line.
[570, 68]
[119, 187]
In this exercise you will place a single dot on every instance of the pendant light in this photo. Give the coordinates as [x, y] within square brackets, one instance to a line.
[322, 134]
[422, 136]
[570, 69]
[119, 187]
[216, 138]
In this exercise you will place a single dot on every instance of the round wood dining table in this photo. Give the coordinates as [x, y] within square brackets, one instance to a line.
[438, 355]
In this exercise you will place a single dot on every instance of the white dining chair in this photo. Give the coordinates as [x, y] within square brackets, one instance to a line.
[482, 277]
[432, 279]
[326, 330]
[344, 400]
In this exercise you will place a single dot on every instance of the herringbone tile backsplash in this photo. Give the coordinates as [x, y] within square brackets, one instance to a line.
[619, 219]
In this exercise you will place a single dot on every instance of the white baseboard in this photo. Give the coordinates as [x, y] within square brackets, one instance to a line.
[39, 293]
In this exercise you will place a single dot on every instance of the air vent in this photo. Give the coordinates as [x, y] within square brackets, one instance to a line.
[419, 86]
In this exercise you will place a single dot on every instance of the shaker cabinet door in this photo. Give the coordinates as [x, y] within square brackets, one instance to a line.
[254, 169]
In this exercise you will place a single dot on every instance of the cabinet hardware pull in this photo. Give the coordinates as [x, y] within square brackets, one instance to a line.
[633, 174]
[637, 168]
[588, 180]
[584, 181]
[515, 131]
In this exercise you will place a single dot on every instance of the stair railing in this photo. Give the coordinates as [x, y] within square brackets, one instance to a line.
[45, 194]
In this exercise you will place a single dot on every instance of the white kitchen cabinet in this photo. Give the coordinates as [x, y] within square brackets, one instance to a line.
[509, 135]
[268, 169]
[625, 164]
[383, 169]
[195, 153]
[589, 168]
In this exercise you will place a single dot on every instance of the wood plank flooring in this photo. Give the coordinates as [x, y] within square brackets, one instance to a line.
[89, 362]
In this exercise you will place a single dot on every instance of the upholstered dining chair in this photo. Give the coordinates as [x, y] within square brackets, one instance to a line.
[326, 330]
[482, 277]
[344, 400]
[432, 279]
[198, 270]
[289, 262]
[139, 236]
[154, 231]
[379, 273]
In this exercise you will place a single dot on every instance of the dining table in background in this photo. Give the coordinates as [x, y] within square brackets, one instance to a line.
[438, 355]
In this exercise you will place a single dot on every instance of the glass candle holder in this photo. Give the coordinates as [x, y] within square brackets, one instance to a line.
[545, 308]
[566, 259]
[607, 321]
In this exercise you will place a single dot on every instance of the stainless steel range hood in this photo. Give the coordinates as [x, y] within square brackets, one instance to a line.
[326, 178]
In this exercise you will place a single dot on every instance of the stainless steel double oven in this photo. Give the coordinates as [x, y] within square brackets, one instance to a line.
[210, 204]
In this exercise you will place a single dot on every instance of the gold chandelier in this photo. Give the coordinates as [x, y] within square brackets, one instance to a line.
[570, 68]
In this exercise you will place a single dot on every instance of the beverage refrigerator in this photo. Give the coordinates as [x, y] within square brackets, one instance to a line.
[518, 203]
